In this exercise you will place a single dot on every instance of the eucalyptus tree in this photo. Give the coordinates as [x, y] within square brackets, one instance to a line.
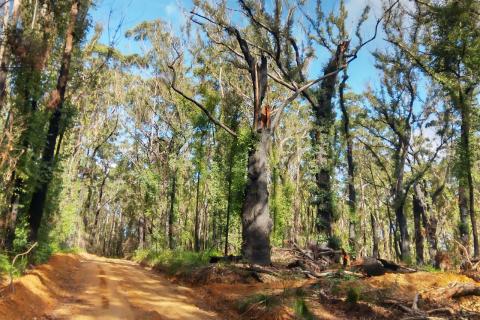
[292, 57]
[395, 122]
[73, 34]
[445, 44]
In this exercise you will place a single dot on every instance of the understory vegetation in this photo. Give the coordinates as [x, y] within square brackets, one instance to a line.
[239, 129]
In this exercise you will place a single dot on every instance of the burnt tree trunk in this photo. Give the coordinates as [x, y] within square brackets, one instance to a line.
[37, 204]
[171, 212]
[467, 169]
[256, 221]
[196, 244]
[375, 251]
[229, 196]
[399, 198]
[352, 201]
[324, 121]
[463, 207]
[419, 211]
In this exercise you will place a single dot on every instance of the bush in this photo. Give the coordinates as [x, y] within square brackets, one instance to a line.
[335, 242]
[262, 300]
[173, 261]
[302, 311]
[353, 295]
[5, 265]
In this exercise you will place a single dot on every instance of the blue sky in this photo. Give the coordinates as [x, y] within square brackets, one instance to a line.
[131, 12]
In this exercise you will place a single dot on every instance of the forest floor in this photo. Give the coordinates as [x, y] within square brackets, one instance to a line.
[87, 287]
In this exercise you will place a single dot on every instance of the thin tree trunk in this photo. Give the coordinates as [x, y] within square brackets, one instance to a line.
[229, 197]
[171, 213]
[9, 25]
[197, 216]
[37, 204]
[373, 222]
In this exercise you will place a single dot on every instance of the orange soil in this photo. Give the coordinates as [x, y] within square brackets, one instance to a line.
[87, 287]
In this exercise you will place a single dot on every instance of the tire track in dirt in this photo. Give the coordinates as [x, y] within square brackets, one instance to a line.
[103, 287]
[111, 289]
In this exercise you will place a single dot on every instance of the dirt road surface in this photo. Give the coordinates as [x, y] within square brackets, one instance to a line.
[120, 289]
[87, 287]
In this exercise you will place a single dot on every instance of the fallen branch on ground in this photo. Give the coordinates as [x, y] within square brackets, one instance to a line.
[13, 263]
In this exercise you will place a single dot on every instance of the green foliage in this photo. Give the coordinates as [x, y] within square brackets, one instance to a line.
[335, 242]
[173, 261]
[43, 252]
[21, 236]
[353, 295]
[259, 300]
[5, 264]
[302, 311]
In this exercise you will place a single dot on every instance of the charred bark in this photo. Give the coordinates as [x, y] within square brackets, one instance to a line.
[419, 211]
[229, 196]
[37, 204]
[467, 177]
[256, 221]
[352, 201]
[324, 121]
[171, 213]
[196, 244]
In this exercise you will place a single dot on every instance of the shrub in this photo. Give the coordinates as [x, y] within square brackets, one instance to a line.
[353, 295]
[173, 262]
[302, 311]
[261, 300]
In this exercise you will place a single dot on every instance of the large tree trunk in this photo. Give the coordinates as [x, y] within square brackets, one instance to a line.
[430, 222]
[37, 204]
[256, 221]
[419, 210]
[463, 207]
[324, 121]
[352, 201]
[399, 198]
[466, 158]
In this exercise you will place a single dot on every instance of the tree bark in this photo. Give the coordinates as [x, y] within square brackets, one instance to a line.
[399, 198]
[467, 168]
[37, 204]
[375, 251]
[419, 210]
[197, 217]
[229, 196]
[352, 201]
[171, 213]
[324, 120]
[9, 24]
[256, 221]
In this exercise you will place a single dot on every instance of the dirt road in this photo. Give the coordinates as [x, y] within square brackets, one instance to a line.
[87, 287]
[120, 289]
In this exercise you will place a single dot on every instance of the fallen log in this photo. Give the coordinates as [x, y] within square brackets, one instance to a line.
[462, 291]
[229, 258]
